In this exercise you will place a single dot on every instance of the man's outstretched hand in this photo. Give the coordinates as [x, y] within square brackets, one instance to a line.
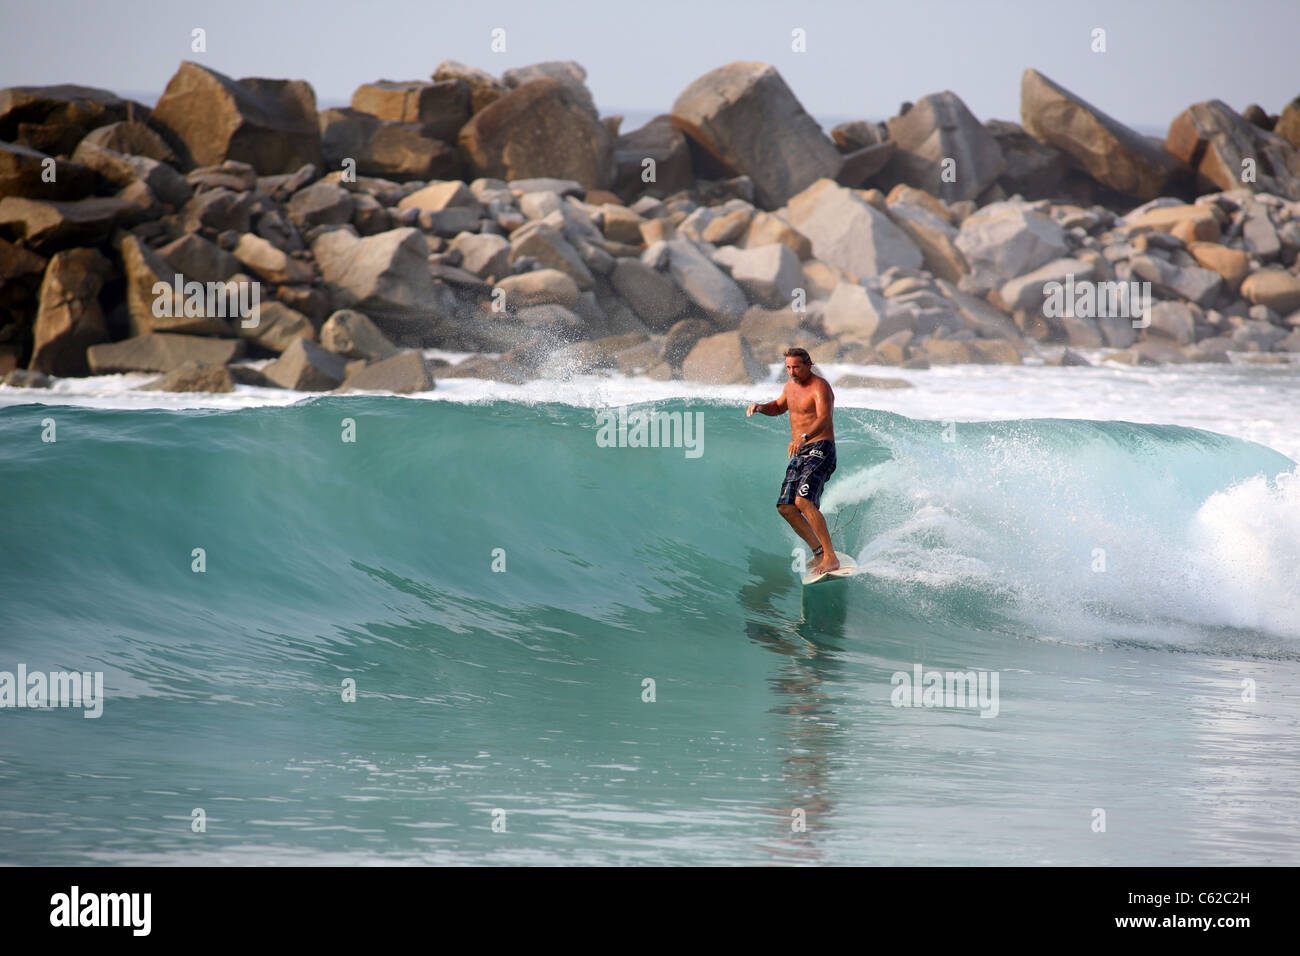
[751, 410]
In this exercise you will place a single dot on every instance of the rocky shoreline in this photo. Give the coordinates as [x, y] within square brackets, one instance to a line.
[234, 221]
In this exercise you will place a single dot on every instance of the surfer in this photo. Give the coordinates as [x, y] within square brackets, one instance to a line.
[809, 400]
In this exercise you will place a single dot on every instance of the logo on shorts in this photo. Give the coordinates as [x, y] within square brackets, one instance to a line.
[803, 489]
[817, 452]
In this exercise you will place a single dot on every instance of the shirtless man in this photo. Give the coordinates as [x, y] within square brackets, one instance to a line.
[810, 401]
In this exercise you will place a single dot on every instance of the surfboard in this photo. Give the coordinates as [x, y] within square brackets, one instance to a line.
[848, 567]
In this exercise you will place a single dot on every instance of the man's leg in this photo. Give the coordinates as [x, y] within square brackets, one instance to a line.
[801, 527]
[813, 518]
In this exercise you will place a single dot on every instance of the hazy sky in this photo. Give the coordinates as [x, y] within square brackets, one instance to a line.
[862, 58]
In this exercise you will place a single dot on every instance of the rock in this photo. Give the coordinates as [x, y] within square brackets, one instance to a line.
[269, 124]
[442, 195]
[651, 295]
[766, 228]
[69, 318]
[352, 335]
[400, 151]
[488, 369]
[1216, 140]
[1189, 222]
[934, 236]
[1173, 321]
[483, 254]
[948, 352]
[569, 74]
[320, 204]
[681, 338]
[662, 143]
[748, 119]
[278, 327]
[861, 165]
[1158, 352]
[152, 302]
[1034, 170]
[386, 276]
[269, 262]
[1191, 283]
[23, 173]
[995, 352]
[768, 275]
[53, 119]
[311, 301]
[1278, 290]
[26, 378]
[132, 138]
[848, 232]
[539, 129]
[122, 170]
[1028, 292]
[1005, 240]
[707, 286]
[1232, 264]
[770, 333]
[161, 352]
[1112, 154]
[722, 359]
[857, 314]
[977, 315]
[1257, 233]
[442, 107]
[47, 226]
[727, 228]
[306, 367]
[196, 258]
[551, 250]
[402, 374]
[230, 174]
[542, 287]
[484, 88]
[193, 377]
[218, 211]
[867, 381]
[940, 133]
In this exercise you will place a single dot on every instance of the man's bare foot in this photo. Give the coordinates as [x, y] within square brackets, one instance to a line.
[828, 563]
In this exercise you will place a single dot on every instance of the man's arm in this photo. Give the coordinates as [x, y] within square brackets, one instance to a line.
[770, 409]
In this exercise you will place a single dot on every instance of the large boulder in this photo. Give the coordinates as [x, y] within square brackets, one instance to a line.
[386, 276]
[1034, 170]
[31, 174]
[1004, 240]
[539, 287]
[122, 170]
[708, 287]
[1221, 144]
[196, 258]
[132, 138]
[269, 124]
[653, 296]
[441, 108]
[193, 377]
[660, 141]
[161, 352]
[152, 302]
[539, 130]
[1278, 290]
[46, 226]
[723, 359]
[53, 119]
[1113, 154]
[390, 150]
[70, 319]
[943, 149]
[934, 235]
[402, 374]
[270, 263]
[277, 327]
[306, 367]
[749, 120]
[768, 274]
[848, 232]
[320, 204]
[484, 88]
[351, 334]
[567, 72]
[1187, 282]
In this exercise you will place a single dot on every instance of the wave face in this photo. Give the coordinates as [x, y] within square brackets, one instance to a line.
[988, 544]
[1080, 528]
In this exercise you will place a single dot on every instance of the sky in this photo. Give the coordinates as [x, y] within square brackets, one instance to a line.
[862, 59]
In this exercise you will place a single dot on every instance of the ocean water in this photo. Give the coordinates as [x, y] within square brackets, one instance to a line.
[567, 650]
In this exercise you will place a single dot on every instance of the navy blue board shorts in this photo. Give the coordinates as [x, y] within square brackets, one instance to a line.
[808, 471]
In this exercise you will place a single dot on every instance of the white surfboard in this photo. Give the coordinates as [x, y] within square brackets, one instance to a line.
[848, 567]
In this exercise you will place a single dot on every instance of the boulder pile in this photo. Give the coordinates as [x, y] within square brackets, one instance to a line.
[234, 221]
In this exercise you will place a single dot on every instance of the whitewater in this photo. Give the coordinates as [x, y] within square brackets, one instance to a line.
[457, 628]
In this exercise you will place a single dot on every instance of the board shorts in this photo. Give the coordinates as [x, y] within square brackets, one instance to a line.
[808, 471]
